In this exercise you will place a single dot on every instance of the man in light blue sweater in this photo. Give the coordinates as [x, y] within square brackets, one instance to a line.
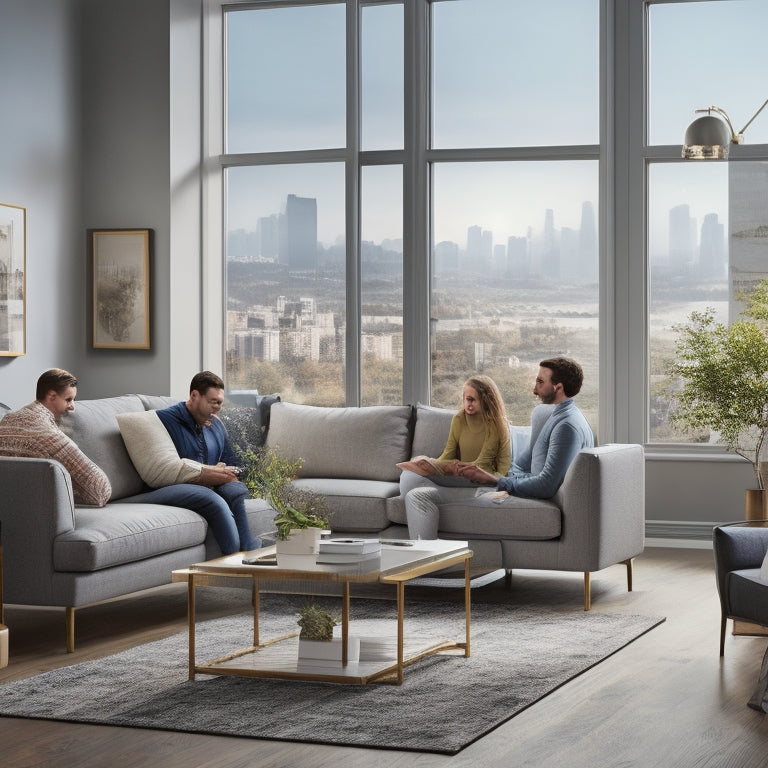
[557, 436]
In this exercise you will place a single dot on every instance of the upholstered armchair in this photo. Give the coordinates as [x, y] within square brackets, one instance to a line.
[740, 549]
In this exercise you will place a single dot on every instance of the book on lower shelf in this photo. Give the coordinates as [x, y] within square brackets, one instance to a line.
[349, 546]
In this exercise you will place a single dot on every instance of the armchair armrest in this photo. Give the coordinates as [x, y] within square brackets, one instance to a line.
[737, 547]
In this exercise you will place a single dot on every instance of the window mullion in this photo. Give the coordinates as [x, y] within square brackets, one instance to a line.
[416, 209]
[352, 378]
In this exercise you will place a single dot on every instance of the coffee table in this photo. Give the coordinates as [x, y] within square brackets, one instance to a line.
[278, 657]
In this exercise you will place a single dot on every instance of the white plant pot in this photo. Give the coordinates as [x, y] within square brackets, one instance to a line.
[300, 549]
[328, 652]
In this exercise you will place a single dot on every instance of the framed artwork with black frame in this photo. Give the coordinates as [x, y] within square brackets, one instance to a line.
[120, 274]
[13, 280]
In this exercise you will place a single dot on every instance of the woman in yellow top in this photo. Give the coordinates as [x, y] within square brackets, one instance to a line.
[479, 435]
[480, 431]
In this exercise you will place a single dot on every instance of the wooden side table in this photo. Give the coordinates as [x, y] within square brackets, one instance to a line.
[3, 628]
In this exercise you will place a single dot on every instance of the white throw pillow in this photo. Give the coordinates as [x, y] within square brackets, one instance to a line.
[152, 451]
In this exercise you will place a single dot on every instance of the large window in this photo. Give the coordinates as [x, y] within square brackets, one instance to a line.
[515, 235]
[703, 216]
[318, 143]
[515, 276]
[291, 296]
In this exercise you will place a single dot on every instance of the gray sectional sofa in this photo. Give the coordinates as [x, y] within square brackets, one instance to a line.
[60, 554]
[596, 519]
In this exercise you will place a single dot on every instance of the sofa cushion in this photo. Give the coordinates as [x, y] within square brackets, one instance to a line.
[347, 443]
[764, 569]
[93, 427]
[125, 533]
[355, 505]
[153, 452]
[747, 595]
[510, 518]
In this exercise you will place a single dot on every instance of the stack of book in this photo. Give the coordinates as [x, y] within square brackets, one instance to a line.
[348, 550]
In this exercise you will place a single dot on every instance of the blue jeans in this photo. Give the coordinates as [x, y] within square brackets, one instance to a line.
[222, 507]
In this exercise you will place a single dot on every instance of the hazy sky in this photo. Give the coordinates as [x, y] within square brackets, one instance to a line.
[287, 92]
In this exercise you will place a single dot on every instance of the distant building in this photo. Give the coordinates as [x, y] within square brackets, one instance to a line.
[260, 345]
[748, 230]
[298, 242]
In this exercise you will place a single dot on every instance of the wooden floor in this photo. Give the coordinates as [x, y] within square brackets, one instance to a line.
[666, 700]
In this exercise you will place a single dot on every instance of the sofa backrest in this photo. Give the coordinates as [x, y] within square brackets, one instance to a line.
[155, 402]
[355, 443]
[93, 427]
[430, 432]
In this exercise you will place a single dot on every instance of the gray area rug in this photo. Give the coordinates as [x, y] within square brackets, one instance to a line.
[446, 702]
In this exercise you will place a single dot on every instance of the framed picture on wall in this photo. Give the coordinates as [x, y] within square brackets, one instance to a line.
[120, 260]
[13, 284]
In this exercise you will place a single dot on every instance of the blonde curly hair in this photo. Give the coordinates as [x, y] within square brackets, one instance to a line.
[491, 402]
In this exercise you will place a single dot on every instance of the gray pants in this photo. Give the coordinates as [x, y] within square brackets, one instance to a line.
[422, 505]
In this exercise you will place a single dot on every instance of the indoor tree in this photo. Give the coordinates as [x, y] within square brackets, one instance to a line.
[724, 377]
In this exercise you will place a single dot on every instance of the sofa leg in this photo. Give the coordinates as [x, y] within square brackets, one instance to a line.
[628, 563]
[723, 623]
[587, 592]
[508, 578]
[70, 629]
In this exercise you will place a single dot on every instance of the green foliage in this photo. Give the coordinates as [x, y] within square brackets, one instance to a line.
[724, 372]
[316, 623]
[268, 475]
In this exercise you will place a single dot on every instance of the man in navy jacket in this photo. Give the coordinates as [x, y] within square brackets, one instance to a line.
[199, 434]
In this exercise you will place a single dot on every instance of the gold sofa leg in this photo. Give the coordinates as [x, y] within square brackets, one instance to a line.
[70, 629]
[587, 585]
[628, 563]
[587, 591]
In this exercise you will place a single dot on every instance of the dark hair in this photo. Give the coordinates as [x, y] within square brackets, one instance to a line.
[566, 372]
[203, 381]
[56, 379]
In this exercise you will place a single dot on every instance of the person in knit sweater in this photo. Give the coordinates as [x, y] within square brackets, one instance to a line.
[33, 431]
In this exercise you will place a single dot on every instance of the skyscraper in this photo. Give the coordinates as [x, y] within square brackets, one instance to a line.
[299, 241]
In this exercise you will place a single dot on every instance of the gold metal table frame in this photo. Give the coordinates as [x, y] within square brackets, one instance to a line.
[278, 657]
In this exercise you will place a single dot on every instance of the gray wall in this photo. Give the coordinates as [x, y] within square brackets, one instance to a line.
[39, 170]
[86, 134]
[85, 137]
[125, 134]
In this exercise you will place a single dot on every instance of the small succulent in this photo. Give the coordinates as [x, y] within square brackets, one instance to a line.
[316, 623]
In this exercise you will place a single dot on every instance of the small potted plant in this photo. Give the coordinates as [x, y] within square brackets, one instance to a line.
[301, 515]
[723, 372]
[317, 645]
